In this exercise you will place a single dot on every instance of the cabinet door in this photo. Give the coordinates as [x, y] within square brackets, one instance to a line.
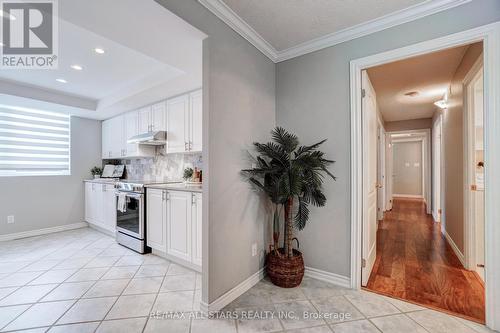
[131, 129]
[106, 138]
[177, 124]
[117, 128]
[109, 207]
[196, 121]
[196, 219]
[88, 202]
[179, 224]
[159, 117]
[98, 204]
[144, 120]
[156, 224]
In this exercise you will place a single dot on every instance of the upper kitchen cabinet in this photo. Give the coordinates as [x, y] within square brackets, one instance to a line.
[184, 123]
[152, 118]
[196, 121]
[115, 133]
[112, 137]
[177, 124]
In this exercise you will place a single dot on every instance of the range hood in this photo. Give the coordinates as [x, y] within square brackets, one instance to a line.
[156, 138]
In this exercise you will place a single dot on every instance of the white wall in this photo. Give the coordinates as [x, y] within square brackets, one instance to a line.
[238, 109]
[313, 101]
[50, 201]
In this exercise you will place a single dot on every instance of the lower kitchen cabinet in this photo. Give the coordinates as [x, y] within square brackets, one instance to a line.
[156, 219]
[100, 205]
[174, 225]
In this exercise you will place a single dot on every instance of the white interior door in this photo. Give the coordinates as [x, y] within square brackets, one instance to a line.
[389, 172]
[369, 120]
[475, 161]
[380, 171]
[436, 170]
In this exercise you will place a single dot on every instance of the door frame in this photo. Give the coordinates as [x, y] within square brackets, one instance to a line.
[469, 198]
[424, 136]
[490, 36]
[381, 170]
[437, 188]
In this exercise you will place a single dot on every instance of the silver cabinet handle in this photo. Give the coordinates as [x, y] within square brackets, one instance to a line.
[193, 199]
[185, 146]
[163, 195]
[190, 145]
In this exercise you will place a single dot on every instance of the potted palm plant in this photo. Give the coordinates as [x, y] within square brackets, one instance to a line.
[291, 176]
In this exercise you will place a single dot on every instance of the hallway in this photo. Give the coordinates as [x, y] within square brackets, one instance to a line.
[415, 263]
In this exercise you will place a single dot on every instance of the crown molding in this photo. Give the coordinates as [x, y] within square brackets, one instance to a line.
[415, 12]
[228, 16]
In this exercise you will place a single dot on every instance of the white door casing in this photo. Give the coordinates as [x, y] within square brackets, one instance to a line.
[490, 36]
[369, 118]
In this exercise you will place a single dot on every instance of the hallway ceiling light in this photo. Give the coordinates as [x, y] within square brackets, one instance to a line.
[77, 67]
[98, 50]
[441, 104]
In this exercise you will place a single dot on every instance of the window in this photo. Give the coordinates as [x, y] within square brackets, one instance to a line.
[34, 142]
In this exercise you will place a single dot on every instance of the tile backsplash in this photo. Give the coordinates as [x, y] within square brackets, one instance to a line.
[162, 168]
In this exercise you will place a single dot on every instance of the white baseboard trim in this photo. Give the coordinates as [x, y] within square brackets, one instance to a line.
[221, 302]
[454, 246]
[418, 196]
[43, 231]
[103, 230]
[340, 280]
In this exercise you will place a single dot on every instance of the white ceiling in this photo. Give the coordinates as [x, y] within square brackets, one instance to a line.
[287, 23]
[150, 54]
[284, 29]
[430, 75]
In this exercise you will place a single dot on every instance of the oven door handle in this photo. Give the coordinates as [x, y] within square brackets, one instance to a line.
[130, 195]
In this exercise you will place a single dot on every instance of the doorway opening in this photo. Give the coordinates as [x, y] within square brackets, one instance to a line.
[423, 227]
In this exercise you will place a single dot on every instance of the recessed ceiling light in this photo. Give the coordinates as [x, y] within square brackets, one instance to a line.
[77, 67]
[99, 50]
[61, 80]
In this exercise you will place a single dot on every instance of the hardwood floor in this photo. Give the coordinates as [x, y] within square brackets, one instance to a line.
[416, 263]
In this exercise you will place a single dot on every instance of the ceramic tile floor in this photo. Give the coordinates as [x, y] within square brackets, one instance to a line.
[82, 281]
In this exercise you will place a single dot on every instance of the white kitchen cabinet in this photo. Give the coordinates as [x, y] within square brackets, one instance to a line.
[178, 124]
[196, 218]
[185, 123]
[144, 120]
[115, 133]
[100, 205]
[179, 224]
[156, 219]
[106, 139]
[152, 118]
[109, 207]
[159, 116]
[131, 129]
[195, 120]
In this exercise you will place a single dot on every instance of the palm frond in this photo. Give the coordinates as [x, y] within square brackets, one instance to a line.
[287, 140]
[302, 214]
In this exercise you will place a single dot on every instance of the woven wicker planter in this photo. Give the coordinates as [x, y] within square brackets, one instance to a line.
[285, 272]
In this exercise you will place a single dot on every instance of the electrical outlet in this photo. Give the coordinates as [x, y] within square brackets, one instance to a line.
[10, 219]
[254, 249]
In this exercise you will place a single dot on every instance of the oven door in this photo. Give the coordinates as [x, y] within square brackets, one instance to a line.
[131, 222]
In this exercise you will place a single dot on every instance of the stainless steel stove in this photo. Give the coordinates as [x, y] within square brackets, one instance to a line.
[131, 214]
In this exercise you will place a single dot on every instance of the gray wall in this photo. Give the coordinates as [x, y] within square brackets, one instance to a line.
[312, 99]
[406, 125]
[50, 201]
[407, 166]
[453, 154]
[239, 108]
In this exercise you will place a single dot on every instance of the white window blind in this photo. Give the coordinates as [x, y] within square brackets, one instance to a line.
[34, 142]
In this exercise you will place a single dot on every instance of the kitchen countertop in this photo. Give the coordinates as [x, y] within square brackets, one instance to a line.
[178, 187]
[101, 180]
